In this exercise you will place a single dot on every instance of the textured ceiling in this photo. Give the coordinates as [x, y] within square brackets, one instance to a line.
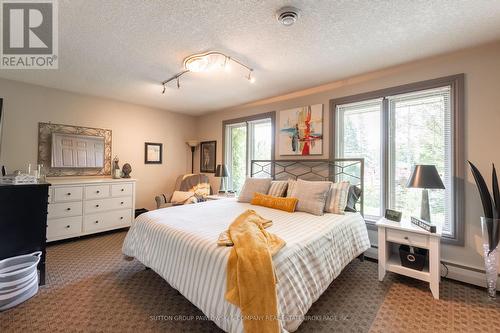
[123, 48]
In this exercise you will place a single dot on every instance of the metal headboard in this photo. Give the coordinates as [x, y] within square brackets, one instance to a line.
[340, 169]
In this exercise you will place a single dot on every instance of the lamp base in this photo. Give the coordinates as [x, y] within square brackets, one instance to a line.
[192, 158]
[222, 188]
[425, 213]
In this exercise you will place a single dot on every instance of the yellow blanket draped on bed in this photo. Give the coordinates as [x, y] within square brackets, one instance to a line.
[251, 283]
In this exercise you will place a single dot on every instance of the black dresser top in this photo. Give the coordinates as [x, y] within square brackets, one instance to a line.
[23, 185]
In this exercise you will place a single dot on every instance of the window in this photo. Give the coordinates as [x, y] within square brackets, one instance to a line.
[420, 133]
[394, 129]
[236, 155]
[246, 140]
[359, 135]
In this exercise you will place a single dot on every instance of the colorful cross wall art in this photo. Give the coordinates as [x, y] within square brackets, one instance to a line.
[301, 131]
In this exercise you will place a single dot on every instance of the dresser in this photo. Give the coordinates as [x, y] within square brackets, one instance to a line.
[23, 221]
[83, 206]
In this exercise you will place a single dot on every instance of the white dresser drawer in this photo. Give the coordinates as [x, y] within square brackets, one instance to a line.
[102, 205]
[122, 190]
[408, 238]
[65, 209]
[63, 227]
[93, 222]
[96, 191]
[121, 203]
[70, 193]
[97, 206]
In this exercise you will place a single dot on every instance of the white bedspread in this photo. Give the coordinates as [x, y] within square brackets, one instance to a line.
[179, 243]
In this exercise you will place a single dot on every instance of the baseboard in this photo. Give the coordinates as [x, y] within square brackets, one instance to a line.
[466, 274]
[471, 275]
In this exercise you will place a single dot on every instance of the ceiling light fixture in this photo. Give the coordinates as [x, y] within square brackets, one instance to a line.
[205, 62]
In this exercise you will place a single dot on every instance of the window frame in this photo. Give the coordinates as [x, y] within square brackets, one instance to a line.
[457, 106]
[261, 116]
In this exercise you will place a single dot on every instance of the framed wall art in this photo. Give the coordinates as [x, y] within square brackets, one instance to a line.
[208, 155]
[301, 131]
[153, 153]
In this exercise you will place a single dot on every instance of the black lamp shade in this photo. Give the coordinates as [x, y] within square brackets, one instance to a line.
[221, 171]
[425, 176]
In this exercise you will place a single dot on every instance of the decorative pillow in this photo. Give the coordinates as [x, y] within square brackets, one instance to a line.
[278, 188]
[181, 197]
[312, 196]
[286, 204]
[353, 198]
[252, 186]
[337, 198]
[291, 186]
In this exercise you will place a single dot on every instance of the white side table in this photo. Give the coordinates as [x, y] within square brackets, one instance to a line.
[218, 197]
[406, 233]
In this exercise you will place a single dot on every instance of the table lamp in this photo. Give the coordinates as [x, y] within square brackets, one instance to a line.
[425, 177]
[221, 171]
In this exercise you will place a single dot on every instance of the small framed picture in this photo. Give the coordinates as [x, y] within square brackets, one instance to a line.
[153, 153]
[208, 154]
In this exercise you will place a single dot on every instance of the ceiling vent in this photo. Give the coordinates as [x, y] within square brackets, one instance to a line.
[287, 15]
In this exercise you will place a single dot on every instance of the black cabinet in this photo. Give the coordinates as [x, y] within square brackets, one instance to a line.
[23, 221]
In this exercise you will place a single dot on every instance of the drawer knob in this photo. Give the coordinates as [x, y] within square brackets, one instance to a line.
[121, 203]
[123, 189]
[96, 222]
[97, 206]
[121, 217]
[68, 209]
[98, 192]
[69, 193]
[67, 227]
[406, 237]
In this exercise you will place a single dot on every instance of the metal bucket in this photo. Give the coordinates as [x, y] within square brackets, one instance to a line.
[18, 279]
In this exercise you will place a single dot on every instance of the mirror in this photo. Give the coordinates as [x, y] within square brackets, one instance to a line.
[77, 151]
[79, 161]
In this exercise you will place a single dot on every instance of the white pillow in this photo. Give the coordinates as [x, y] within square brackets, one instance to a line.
[252, 186]
[278, 188]
[337, 198]
[312, 195]
[290, 187]
[180, 197]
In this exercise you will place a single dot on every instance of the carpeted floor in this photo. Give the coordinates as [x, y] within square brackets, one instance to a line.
[90, 288]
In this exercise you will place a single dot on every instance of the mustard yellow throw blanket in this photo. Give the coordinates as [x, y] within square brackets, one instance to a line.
[251, 283]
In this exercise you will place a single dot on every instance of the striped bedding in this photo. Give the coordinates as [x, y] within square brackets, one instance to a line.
[179, 243]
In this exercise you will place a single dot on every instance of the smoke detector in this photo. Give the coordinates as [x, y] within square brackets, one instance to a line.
[287, 15]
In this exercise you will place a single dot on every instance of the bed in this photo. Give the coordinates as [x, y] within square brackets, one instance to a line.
[179, 244]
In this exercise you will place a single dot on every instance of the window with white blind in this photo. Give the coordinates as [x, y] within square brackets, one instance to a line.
[359, 134]
[395, 131]
[246, 139]
[420, 133]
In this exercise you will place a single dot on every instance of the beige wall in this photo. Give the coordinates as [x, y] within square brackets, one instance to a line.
[25, 105]
[481, 66]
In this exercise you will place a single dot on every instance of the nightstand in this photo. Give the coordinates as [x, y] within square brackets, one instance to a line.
[390, 232]
[218, 197]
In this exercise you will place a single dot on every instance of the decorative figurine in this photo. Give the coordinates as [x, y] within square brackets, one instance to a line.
[126, 170]
[116, 172]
